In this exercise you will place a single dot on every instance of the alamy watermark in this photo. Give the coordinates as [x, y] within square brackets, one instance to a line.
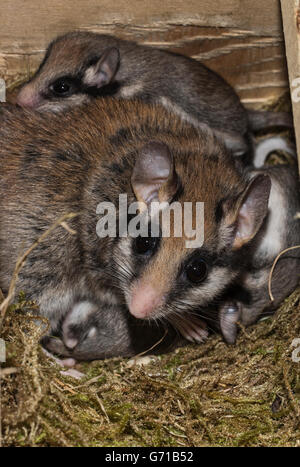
[156, 220]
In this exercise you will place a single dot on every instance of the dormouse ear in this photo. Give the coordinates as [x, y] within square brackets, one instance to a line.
[247, 214]
[154, 177]
[102, 72]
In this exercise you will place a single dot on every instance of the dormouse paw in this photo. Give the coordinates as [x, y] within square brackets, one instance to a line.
[68, 363]
[53, 345]
[190, 327]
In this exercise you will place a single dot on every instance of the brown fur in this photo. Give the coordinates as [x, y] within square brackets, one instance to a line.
[69, 163]
[91, 64]
[181, 84]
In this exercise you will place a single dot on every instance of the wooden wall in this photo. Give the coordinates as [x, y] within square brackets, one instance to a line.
[291, 22]
[241, 39]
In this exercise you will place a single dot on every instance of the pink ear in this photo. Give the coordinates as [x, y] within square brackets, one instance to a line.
[247, 214]
[154, 177]
[104, 70]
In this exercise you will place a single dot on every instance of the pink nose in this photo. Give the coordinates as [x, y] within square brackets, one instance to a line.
[28, 98]
[145, 300]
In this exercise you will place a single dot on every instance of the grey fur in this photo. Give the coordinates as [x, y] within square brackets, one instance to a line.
[55, 164]
[284, 205]
[182, 85]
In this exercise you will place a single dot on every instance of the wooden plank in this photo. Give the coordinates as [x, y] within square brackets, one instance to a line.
[291, 24]
[240, 39]
[29, 24]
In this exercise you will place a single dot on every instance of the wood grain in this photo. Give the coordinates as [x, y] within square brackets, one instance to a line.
[241, 39]
[291, 23]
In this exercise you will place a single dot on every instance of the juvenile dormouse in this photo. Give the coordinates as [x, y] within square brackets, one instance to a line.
[248, 298]
[56, 164]
[82, 65]
[280, 231]
[90, 331]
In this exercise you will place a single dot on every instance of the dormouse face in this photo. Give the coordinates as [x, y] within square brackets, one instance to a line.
[70, 74]
[162, 277]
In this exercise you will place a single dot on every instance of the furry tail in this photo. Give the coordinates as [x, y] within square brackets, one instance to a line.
[268, 145]
[263, 120]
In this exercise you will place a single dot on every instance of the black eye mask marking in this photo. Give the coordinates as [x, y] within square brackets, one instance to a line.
[143, 250]
[197, 267]
[196, 271]
[64, 87]
[144, 245]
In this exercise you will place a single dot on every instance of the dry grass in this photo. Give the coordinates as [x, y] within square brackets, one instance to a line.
[199, 395]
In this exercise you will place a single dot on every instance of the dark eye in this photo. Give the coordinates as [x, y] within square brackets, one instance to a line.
[196, 271]
[143, 245]
[62, 87]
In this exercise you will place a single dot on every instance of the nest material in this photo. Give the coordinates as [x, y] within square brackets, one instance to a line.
[199, 395]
